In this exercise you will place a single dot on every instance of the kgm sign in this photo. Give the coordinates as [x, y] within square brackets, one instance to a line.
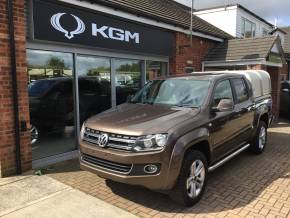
[55, 22]
[103, 31]
[64, 23]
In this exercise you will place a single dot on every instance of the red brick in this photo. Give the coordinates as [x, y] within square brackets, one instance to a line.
[7, 129]
[184, 52]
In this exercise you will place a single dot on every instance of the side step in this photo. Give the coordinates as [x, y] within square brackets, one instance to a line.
[227, 158]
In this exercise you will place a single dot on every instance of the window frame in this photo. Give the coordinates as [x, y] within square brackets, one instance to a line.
[243, 28]
[215, 86]
[235, 93]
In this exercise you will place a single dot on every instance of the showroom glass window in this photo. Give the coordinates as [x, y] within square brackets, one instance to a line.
[155, 69]
[94, 81]
[51, 102]
[127, 78]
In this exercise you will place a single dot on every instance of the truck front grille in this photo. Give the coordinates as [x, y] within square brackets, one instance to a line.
[116, 141]
[107, 165]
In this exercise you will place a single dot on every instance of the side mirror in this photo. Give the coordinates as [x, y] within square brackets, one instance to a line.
[224, 105]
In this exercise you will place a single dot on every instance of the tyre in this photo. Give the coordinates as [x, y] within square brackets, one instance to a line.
[192, 179]
[260, 141]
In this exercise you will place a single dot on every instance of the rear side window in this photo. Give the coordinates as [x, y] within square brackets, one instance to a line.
[223, 90]
[240, 90]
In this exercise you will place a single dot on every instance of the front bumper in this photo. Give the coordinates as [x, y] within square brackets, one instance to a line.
[126, 167]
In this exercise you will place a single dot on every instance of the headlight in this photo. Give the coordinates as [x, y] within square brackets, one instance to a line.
[150, 143]
[82, 133]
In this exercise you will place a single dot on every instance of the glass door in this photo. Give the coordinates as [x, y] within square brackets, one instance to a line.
[51, 102]
[94, 85]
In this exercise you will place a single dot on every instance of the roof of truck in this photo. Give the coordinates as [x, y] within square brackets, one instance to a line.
[210, 75]
[260, 80]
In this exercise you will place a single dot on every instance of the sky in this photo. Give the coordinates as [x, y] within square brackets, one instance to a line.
[267, 9]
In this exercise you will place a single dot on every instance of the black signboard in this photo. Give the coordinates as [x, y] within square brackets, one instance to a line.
[67, 24]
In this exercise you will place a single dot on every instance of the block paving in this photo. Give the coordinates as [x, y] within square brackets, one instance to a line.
[247, 186]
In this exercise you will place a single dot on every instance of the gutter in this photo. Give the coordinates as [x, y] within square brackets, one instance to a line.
[14, 85]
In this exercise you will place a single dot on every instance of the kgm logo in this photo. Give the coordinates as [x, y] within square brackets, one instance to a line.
[103, 31]
[55, 22]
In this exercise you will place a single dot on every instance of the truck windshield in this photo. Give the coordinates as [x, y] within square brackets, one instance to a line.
[173, 92]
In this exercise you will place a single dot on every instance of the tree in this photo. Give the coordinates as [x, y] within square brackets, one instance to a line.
[55, 63]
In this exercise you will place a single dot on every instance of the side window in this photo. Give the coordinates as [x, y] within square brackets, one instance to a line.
[241, 90]
[222, 91]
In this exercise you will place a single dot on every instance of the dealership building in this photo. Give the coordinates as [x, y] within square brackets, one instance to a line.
[63, 61]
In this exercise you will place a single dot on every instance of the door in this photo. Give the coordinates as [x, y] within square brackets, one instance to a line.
[244, 112]
[51, 102]
[222, 123]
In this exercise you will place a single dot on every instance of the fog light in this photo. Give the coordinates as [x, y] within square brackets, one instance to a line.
[150, 169]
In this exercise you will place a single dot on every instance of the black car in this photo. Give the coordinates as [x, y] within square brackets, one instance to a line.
[52, 102]
[285, 99]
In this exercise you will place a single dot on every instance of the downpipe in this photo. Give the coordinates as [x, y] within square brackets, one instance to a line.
[14, 86]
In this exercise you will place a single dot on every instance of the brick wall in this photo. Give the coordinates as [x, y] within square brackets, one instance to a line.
[285, 72]
[7, 136]
[187, 56]
[275, 74]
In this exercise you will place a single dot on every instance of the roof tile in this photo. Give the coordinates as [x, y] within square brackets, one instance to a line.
[242, 49]
[286, 45]
[167, 11]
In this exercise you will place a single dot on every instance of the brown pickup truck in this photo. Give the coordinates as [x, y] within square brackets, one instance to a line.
[175, 130]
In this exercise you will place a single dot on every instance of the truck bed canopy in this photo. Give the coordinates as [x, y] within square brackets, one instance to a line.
[260, 80]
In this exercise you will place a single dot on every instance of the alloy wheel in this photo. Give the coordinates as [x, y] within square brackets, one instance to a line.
[262, 137]
[195, 180]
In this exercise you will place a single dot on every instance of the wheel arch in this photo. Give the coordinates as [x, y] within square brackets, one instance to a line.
[203, 146]
[195, 140]
[264, 117]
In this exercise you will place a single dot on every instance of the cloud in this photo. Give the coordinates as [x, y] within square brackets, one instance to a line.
[267, 9]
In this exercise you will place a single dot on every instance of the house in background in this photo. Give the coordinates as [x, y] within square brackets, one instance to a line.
[279, 32]
[237, 21]
[286, 47]
[264, 53]
[258, 45]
